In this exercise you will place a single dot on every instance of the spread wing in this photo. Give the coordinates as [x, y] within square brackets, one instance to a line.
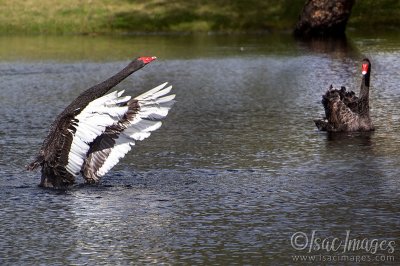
[143, 116]
[91, 122]
[64, 149]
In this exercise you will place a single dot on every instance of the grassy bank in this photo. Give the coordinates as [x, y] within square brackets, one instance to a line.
[105, 16]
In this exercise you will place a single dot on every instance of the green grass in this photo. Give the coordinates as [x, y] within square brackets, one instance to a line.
[378, 14]
[208, 15]
[105, 16]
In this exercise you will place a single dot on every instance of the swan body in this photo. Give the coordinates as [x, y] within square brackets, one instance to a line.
[344, 111]
[97, 129]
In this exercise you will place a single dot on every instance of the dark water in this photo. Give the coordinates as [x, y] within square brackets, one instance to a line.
[238, 169]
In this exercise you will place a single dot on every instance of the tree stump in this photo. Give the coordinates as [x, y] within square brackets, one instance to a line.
[324, 18]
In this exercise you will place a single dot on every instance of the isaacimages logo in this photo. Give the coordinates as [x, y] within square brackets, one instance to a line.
[341, 249]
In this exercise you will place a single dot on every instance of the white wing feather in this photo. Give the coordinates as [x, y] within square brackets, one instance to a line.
[153, 106]
[92, 122]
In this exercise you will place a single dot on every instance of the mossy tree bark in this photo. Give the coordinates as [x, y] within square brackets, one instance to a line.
[324, 18]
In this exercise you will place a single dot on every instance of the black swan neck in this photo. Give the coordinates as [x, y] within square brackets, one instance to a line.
[364, 96]
[102, 88]
[364, 89]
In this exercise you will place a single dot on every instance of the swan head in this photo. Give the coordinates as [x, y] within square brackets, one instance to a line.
[366, 66]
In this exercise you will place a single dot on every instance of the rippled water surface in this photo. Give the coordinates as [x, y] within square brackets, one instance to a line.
[237, 169]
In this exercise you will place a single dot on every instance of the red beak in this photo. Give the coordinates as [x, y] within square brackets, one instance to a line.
[147, 59]
[364, 69]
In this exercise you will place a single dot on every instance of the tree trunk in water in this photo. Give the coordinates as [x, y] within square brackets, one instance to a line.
[324, 18]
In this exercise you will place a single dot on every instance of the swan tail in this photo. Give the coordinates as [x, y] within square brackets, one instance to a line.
[36, 163]
[322, 125]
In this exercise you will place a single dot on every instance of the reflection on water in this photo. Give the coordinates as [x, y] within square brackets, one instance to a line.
[237, 168]
[111, 48]
[338, 48]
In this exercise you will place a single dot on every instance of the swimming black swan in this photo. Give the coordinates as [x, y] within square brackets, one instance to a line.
[97, 129]
[346, 112]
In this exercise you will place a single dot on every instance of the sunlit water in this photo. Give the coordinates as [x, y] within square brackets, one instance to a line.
[237, 168]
